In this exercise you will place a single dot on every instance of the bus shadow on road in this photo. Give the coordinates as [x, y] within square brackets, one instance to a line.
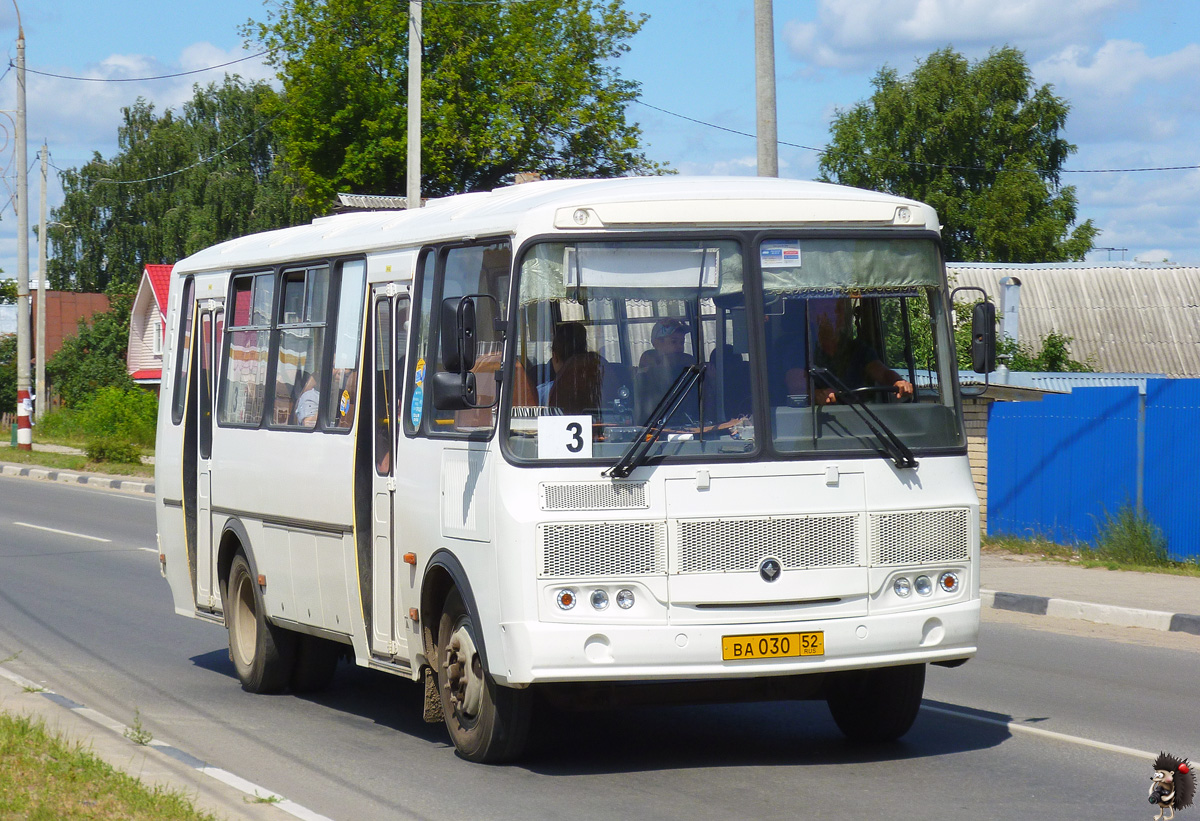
[737, 735]
[368, 695]
[638, 739]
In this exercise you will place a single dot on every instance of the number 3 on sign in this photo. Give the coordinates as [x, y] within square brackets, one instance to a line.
[564, 437]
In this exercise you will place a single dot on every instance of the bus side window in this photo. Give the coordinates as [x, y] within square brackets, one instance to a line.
[248, 330]
[343, 383]
[480, 269]
[183, 350]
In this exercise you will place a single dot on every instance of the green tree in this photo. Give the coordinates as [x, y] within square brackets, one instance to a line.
[980, 143]
[8, 291]
[177, 184]
[506, 87]
[8, 374]
[95, 357]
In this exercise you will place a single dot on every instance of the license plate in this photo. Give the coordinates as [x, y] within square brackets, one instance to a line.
[772, 646]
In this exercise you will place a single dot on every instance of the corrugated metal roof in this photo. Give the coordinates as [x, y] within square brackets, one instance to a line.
[1061, 382]
[1122, 318]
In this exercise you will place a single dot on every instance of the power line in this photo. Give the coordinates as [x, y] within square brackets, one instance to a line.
[934, 165]
[197, 164]
[142, 79]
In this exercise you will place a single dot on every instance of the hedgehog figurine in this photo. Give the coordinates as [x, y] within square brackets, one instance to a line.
[1172, 787]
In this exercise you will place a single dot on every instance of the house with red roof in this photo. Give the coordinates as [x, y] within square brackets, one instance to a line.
[147, 327]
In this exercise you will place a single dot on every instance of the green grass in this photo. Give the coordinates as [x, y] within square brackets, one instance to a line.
[1125, 542]
[71, 461]
[43, 778]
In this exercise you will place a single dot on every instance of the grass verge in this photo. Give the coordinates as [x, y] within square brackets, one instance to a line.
[1084, 555]
[72, 461]
[43, 777]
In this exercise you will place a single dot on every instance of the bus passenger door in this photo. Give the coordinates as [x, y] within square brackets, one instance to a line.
[211, 326]
[389, 340]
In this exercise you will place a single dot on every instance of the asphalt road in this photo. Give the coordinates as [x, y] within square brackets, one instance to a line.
[1014, 734]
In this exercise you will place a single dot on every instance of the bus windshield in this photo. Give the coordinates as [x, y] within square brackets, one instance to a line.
[606, 330]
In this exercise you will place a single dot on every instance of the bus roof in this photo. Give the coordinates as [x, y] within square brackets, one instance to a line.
[625, 203]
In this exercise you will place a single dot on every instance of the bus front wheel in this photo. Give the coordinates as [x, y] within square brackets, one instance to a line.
[263, 655]
[487, 723]
[877, 705]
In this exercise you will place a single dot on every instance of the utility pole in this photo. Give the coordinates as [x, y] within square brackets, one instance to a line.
[414, 104]
[21, 202]
[764, 87]
[42, 397]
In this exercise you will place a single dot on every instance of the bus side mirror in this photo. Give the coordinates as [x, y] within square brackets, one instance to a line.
[457, 334]
[983, 337]
[454, 391]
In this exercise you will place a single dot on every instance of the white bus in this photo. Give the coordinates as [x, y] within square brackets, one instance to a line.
[605, 440]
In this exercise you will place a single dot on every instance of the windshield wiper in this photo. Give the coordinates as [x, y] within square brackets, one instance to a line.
[648, 434]
[897, 450]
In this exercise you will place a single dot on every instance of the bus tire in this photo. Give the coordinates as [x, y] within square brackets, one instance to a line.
[263, 654]
[487, 723]
[877, 705]
[316, 662]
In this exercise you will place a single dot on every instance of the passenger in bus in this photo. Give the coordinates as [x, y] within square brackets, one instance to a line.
[660, 366]
[669, 336]
[569, 339]
[578, 373]
[308, 403]
[838, 349]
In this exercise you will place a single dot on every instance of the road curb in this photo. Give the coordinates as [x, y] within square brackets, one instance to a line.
[1091, 611]
[72, 478]
[197, 780]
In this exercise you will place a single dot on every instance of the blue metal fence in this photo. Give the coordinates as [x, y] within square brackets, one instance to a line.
[1058, 466]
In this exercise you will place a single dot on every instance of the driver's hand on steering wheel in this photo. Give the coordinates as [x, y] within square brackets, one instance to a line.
[904, 389]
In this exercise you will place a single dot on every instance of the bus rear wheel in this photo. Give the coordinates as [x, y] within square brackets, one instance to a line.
[263, 655]
[877, 705]
[487, 723]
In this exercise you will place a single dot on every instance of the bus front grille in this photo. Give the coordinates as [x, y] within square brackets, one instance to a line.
[920, 536]
[593, 495]
[602, 549]
[798, 542]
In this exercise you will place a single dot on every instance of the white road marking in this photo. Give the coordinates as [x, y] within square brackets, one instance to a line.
[1038, 731]
[63, 532]
[148, 549]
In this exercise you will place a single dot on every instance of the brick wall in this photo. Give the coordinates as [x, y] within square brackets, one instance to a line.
[975, 411]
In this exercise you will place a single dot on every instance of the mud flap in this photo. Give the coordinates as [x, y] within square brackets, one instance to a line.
[433, 702]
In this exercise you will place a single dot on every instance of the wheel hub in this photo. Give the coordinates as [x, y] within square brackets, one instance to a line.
[463, 672]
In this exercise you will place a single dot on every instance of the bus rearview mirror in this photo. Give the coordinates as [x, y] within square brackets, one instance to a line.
[983, 337]
[458, 334]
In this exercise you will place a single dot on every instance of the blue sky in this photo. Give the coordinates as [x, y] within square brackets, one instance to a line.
[1128, 68]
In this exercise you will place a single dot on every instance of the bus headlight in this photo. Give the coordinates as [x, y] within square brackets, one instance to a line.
[924, 585]
[599, 599]
[566, 599]
[949, 581]
[902, 587]
[625, 599]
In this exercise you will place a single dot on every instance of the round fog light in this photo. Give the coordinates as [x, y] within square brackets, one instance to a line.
[566, 599]
[949, 582]
[924, 585]
[599, 599]
[902, 587]
[625, 599]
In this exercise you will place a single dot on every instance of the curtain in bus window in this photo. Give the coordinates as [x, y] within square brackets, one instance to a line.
[384, 398]
[790, 265]
[301, 341]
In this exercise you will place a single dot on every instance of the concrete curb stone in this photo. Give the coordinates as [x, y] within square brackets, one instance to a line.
[1090, 611]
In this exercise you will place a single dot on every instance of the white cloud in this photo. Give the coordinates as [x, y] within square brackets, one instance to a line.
[854, 34]
[1117, 68]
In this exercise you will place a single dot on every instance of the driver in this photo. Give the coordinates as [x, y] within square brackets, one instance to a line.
[846, 356]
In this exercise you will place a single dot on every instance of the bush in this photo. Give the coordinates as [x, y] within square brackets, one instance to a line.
[113, 449]
[1131, 537]
[130, 415]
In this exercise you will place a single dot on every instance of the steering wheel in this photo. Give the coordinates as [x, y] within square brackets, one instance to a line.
[881, 390]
